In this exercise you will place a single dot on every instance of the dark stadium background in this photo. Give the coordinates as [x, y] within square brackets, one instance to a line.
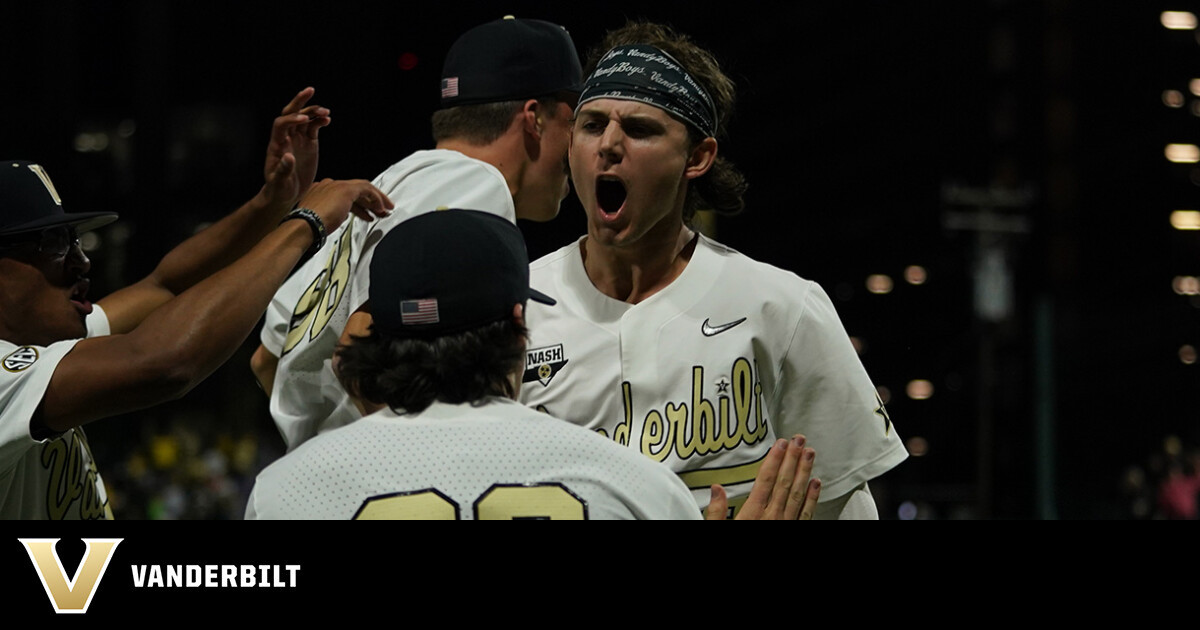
[876, 136]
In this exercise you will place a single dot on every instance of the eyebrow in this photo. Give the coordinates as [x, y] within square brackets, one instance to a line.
[639, 118]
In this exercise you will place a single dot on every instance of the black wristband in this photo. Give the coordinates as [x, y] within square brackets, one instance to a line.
[314, 222]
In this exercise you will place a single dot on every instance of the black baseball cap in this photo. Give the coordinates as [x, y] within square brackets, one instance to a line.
[510, 59]
[449, 271]
[29, 202]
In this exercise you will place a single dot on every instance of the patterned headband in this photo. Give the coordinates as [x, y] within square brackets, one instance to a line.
[646, 74]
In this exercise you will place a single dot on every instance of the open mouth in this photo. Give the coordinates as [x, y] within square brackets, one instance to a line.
[610, 194]
[79, 296]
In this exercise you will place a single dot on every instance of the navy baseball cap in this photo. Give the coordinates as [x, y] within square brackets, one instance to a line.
[510, 59]
[449, 271]
[29, 202]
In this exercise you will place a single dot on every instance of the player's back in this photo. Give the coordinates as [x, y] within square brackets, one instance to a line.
[491, 460]
[309, 312]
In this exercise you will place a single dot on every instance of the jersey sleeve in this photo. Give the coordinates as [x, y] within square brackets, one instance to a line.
[275, 321]
[24, 376]
[251, 512]
[97, 323]
[823, 391]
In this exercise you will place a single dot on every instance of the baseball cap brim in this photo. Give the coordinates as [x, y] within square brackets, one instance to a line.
[538, 296]
[81, 221]
[30, 203]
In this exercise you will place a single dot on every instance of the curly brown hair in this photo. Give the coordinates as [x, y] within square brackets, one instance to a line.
[408, 374]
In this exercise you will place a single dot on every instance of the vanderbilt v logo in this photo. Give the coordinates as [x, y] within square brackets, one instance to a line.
[72, 596]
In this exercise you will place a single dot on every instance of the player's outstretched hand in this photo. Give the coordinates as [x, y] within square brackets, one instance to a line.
[294, 134]
[334, 200]
[783, 489]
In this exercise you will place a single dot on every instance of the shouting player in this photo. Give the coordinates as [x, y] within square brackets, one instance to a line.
[435, 367]
[668, 342]
[150, 342]
[502, 132]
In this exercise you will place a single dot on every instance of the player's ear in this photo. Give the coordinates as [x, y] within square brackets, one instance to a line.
[531, 116]
[519, 315]
[703, 155]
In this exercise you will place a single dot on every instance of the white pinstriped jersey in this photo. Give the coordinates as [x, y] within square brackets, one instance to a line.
[706, 374]
[497, 460]
[54, 479]
[309, 312]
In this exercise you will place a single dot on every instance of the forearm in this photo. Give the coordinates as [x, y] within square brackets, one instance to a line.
[192, 261]
[169, 351]
[179, 344]
[209, 321]
[217, 246]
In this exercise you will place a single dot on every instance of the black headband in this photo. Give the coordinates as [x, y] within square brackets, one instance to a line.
[646, 74]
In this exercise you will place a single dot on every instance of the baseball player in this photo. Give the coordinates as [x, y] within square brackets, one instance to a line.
[435, 369]
[667, 342]
[66, 362]
[507, 91]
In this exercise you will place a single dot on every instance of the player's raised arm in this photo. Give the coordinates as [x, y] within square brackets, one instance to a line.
[188, 337]
[294, 138]
[783, 489]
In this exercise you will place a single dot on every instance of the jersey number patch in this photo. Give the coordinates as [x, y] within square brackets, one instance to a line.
[320, 300]
[501, 502]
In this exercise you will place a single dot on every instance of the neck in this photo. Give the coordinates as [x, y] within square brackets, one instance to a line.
[634, 273]
[507, 154]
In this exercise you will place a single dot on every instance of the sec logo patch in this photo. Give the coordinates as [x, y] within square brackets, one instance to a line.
[20, 359]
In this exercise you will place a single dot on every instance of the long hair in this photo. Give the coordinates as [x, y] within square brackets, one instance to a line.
[409, 374]
[722, 187]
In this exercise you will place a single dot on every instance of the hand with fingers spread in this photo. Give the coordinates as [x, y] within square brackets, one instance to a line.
[783, 489]
[294, 138]
[334, 200]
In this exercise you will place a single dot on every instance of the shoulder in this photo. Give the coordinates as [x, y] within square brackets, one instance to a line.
[744, 278]
[18, 362]
[557, 258]
[25, 373]
[755, 270]
[436, 165]
[323, 456]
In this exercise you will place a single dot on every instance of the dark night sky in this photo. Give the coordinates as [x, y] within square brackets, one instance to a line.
[852, 118]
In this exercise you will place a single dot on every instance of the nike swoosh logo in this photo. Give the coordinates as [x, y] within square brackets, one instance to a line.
[709, 331]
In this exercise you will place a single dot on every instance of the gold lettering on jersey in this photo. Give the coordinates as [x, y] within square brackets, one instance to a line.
[64, 457]
[697, 427]
[621, 432]
[318, 303]
[656, 436]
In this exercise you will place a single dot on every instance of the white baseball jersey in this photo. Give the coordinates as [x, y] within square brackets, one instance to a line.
[493, 461]
[56, 478]
[706, 374]
[309, 312]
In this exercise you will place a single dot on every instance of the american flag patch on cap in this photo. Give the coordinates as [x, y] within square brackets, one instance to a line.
[414, 312]
[450, 87]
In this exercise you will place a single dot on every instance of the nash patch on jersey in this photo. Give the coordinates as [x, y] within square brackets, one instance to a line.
[541, 364]
[20, 359]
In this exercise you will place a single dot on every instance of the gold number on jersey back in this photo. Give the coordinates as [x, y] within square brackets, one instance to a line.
[320, 300]
[499, 503]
